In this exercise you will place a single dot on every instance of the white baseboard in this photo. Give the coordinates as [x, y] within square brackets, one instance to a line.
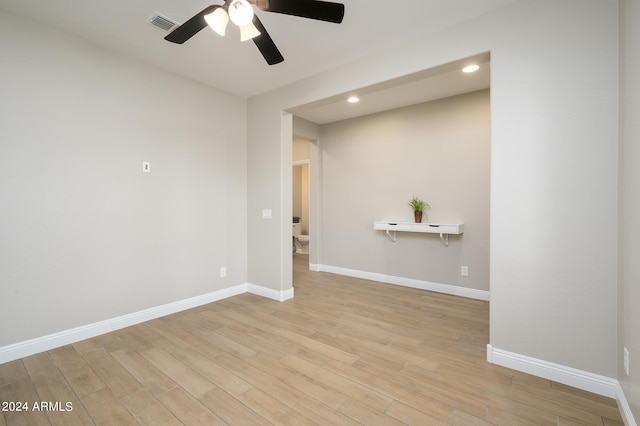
[408, 282]
[280, 296]
[56, 340]
[580, 379]
[590, 382]
[625, 409]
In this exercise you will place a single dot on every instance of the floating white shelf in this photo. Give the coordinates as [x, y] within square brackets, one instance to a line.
[444, 229]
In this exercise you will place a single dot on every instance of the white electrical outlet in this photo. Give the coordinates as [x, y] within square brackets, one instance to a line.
[464, 271]
[626, 361]
[146, 167]
[223, 272]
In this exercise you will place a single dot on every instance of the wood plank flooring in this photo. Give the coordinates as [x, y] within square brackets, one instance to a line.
[343, 352]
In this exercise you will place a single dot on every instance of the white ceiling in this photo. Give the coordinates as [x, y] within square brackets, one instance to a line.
[308, 46]
[428, 85]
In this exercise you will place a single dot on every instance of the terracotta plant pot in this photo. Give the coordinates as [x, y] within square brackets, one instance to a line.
[418, 216]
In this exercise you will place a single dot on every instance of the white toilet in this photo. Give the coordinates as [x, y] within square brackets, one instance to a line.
[301, 241]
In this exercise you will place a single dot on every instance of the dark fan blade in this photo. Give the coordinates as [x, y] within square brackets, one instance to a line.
[190, 28]
[312, 9]
[266, 45]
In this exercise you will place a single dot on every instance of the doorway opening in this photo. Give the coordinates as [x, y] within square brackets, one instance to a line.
[300, 207]
[459, 132]
[305, 202]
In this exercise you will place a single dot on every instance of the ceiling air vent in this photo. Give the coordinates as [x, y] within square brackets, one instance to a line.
[162, 22]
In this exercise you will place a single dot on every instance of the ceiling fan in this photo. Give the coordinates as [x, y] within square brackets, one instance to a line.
[241, 13]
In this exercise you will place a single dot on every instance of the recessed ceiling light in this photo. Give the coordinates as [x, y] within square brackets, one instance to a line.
[353, 99]
[471, 68]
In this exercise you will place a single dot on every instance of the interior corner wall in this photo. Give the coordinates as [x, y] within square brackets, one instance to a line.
[85, 235]
[629, 230]
[373, 165]
[553, 169]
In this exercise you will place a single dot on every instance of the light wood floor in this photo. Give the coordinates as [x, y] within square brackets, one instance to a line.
[344, 351]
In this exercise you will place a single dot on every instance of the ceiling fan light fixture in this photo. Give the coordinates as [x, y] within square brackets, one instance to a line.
[218, 20]
[248, 32]
[241, 12]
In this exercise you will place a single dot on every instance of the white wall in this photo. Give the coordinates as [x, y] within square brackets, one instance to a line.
[301, 149]
[553, 165]
[85, 236]
[629, 293]
[373, 165]
[554, 182]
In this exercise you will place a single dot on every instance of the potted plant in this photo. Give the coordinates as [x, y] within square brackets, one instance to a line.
[418, 207]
